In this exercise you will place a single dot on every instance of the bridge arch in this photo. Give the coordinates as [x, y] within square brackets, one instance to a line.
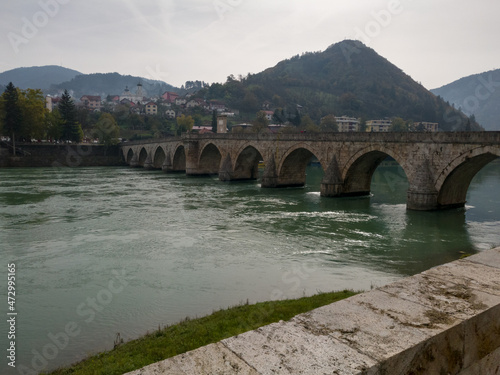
[246, 164]
[129, 155]
[179, 159]
[210, 160]
[143, 155]
[159, 157]
[358, 172]
[292, 169]
[454, 181]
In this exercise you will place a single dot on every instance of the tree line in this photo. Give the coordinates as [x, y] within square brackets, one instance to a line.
[24, 117]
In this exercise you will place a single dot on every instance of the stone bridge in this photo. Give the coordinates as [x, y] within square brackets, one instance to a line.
[439, 166]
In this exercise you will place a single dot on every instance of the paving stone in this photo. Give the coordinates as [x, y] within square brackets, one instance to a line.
[291, 348]
[214, 359]
[489, 258]
[375, 323]
[446, 294]
[470, 275]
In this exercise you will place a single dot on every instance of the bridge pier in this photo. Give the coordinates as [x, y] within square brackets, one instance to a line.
[332, 184]
[148, 164]
[331, 190]
[134, 162]
[422, 200]
[270, 176]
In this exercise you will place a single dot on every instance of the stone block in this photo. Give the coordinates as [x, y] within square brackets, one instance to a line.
[292, 348]
[213, 359]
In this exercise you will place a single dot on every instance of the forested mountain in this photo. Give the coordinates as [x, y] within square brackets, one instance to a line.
[346, 79]
[37, 77]
[477, 95]
[104, 84]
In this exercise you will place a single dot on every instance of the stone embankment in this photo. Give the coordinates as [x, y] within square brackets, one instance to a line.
[59, 155]
[443, 321]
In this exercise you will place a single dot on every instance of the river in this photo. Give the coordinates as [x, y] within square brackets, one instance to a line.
[101, 251]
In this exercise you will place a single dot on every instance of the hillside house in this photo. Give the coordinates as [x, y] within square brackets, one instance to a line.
[217, 106]
[52, 102]
[169, 97]
[180, 101]
[269, 115]
[170, 113]
[195, 103]
[91, 102]
[151, 108]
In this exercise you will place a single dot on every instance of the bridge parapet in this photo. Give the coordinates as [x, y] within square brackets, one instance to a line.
[439, 166]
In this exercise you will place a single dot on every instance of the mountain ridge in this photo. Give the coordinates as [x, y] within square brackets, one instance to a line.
[477, 94]
[348, 78]
[104, 84]
[40, 77]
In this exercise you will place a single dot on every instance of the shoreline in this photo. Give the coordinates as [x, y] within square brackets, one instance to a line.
[190, 334]
[36, 155]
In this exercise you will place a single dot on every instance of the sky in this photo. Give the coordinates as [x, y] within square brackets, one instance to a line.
[434, 41]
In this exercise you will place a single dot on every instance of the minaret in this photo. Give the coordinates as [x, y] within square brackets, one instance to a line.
[222, 124]
[139, 94]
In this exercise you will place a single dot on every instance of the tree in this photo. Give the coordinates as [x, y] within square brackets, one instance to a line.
[279, 116]
[54, 125]
[32, 103]
[329, 124]
[468, 126]
[72, 131]
[297, 119]
[184, 124]
[260, 123]
[309, 126]
[214, 121]
[250, 103]
[362, 124]
[398, 125]
[106, 130]
[11, 115]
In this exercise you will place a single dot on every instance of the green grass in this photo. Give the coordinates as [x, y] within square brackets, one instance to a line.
[194, 333]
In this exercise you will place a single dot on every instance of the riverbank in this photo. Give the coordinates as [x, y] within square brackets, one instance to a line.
[194, 333]
[59, 155]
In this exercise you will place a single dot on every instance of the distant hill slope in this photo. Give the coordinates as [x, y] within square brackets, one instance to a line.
[104, 84]
[477, 95]
[348, 78]
[37, 77]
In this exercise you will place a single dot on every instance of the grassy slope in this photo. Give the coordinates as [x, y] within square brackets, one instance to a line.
[191, 334]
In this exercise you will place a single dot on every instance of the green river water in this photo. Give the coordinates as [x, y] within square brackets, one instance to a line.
[101, 251]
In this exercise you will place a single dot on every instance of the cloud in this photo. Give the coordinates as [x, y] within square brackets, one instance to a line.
[210, 39]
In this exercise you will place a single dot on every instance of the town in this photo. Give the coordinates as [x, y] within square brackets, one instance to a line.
[171, 114]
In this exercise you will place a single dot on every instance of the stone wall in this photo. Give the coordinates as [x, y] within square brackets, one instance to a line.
[443, 321]
[60, 155]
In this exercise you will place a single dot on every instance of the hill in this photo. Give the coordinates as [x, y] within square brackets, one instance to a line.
[477, 95]
[40, 77]
[104, 84]
[348, 78]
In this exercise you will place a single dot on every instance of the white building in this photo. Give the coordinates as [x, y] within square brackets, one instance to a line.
[347, 124]
[425, 126]
[378, 125]
[136, 98]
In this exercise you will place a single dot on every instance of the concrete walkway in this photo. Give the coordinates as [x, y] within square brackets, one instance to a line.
[443, 321]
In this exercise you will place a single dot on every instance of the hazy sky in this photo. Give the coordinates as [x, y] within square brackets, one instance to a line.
[434, 41]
